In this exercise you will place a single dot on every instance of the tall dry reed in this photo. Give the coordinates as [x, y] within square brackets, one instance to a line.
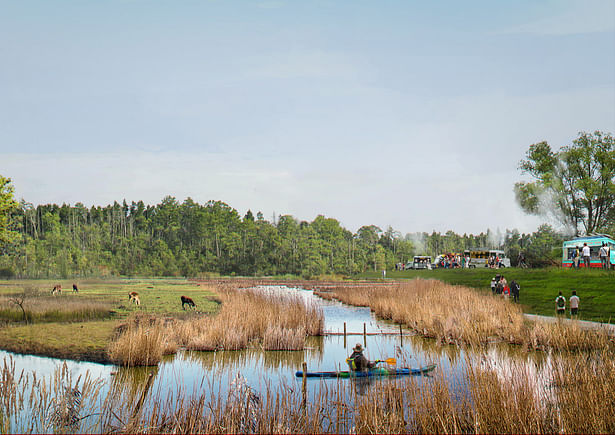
[45, 308]
[142, 341]
[575, 396]
[456, 314]
[278, 322]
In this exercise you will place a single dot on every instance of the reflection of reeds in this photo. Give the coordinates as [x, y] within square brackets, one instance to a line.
[455, 314]
[576, 397]
[30, 404]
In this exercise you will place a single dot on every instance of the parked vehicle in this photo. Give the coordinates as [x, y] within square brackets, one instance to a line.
[421, 262]
[480, 257]
[594, 243]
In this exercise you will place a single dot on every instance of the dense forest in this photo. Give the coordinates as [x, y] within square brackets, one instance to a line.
[190, 239]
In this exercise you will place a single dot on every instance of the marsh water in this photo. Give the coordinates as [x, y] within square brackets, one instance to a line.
[218, 372]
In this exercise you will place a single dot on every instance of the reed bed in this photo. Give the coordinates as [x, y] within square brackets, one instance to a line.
[456, 315]
[576, 396]
[142, 341]
[277, 322]
[61, 404]
[44, 308]
[247, 318]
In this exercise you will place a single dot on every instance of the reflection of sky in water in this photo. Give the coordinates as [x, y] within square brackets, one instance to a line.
[196, 372]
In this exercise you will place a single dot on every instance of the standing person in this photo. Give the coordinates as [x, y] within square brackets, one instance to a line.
[577, 258]
[574, 304]
[573, 257]
[560, 304]
[603, 255]
[586, 255]
[357, 361]
[514, 290]
[493, 285]
[505, 288]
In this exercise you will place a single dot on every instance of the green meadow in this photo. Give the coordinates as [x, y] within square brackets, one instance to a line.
[539, 287]
[87, 319]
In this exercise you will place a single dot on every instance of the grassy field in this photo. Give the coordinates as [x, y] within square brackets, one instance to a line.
[539, 287]
[89, 339]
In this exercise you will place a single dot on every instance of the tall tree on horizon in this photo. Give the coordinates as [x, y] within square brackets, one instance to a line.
[7, 205]
[574, 186]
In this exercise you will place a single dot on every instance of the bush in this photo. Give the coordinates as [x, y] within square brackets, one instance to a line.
[6, 273]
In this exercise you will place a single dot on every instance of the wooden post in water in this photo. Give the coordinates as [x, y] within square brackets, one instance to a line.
[401, 336]
[344, 330]
[304, 385]
[364, 335]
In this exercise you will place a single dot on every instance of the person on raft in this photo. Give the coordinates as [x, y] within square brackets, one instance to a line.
[358, 362]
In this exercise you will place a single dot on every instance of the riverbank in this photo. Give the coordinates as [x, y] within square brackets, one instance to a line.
[462, 315]
[90, 340]
[539, 287]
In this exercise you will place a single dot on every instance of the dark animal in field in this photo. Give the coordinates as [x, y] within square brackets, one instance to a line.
[75, 289]
[56, 289]
[134, 296]
[188, 301]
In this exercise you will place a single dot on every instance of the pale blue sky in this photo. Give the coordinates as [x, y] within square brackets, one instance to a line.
[410, 114]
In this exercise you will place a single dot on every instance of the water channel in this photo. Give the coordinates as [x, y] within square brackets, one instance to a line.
[194, 372]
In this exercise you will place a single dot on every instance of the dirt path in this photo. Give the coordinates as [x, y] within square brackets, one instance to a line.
[585, 324]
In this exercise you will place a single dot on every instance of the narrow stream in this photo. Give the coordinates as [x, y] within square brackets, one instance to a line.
[196, 372]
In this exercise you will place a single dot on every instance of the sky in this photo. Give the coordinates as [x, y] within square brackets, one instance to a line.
[409, 114]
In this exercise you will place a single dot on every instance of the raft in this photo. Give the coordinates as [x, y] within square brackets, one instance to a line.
[380, 371]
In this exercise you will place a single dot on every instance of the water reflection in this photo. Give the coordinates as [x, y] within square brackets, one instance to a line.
[213, 372]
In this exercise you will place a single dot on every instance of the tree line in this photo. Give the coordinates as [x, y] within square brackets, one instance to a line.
[192, 239]
[574, 187]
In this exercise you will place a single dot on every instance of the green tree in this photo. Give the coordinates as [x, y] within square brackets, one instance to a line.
[575, 186]
[7, 205]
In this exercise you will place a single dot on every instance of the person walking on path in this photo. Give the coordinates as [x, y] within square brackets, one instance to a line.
[603, 256]
[560, 304]
[574, 304]
[586, 255]
[514, 290]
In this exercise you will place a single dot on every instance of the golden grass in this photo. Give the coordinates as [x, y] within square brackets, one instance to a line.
[575, 396]
[247, 318]
[142, 341]
[278, 322]
[46, 308]
[456, 314]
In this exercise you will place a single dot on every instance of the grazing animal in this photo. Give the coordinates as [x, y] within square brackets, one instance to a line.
[134, 296]
[188, 301]
[56, 289]
[75, 289]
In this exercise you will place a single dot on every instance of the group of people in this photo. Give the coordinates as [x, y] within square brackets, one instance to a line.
[494, 262]
[500, 286]
[560, 304]
[454, 261]
[582, 255]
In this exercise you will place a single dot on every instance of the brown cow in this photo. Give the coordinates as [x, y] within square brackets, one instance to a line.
[134, 296]
[56, 289]
[187, 301]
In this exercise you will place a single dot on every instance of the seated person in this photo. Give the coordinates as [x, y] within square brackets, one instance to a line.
[357, 361]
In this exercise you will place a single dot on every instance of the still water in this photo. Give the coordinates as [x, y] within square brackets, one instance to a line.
[214, 372]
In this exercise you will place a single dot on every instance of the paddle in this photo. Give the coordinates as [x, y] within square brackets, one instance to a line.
[392, 361]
